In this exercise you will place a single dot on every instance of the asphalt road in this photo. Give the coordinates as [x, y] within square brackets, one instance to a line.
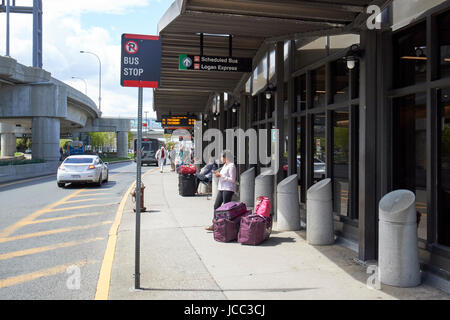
[53, 240]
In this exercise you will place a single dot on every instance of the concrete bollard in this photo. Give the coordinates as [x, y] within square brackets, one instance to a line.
[319, 214]
[288, 208]
[264, 187]
[247, 188]
[398, 253]
[215, 186]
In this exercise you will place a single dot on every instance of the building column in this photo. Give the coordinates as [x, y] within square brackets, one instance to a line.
[8, 144]
[279, 106]
[122, 144]
[368, 217]
[242, 124]
[292, 122]
[45, 138]
[8, 140]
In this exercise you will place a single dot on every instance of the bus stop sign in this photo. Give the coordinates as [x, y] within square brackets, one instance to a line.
[140, 61]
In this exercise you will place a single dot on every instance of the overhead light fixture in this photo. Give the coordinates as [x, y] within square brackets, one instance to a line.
[235, 107]
[352, 56]
[270, 90]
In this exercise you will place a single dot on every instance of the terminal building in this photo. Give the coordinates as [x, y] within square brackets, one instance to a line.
[357, 97]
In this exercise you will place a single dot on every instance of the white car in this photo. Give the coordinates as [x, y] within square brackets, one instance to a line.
[82, 169]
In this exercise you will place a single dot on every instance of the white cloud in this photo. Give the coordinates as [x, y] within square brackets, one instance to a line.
[64, 37]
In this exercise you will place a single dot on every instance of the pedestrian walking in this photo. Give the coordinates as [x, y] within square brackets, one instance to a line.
[172, 157]
[161, 157]
[227, 183]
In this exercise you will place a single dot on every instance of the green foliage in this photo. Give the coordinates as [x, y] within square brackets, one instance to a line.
[23, 143]
[100, 139]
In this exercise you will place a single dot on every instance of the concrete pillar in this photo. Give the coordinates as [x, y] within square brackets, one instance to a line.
[247, 188]
[45, 138]
[215, 185]
[398, 254]
[288, 208]
[319, 214]
[122, 144]
[8, 144]
[264, 187]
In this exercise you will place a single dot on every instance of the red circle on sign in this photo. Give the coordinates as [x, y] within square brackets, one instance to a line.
[131, 47]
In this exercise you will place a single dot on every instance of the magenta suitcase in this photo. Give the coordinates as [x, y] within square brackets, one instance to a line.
[225, 230]
[254, 230]
[230, 210]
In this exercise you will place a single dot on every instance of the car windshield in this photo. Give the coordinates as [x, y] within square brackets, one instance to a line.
[79, 160]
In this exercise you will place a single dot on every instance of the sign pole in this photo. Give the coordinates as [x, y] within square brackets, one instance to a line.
[137, 274]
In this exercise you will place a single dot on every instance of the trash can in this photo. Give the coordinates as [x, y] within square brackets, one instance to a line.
[288, 208]
[319, 214]
[247, 188]
[264, 187]
[398, 253]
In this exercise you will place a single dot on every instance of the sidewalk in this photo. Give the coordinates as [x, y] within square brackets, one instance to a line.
[180, 260]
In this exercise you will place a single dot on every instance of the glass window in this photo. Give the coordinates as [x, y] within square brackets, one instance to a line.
[255, 109]
[444, 208]
[272, 65]
[410, 54]
[79, 160]
[263, 101]
[260, 75]
[410, 152]
[444, 39]
[319, 148]
[318, 87]
[270, 107]
[341, 158]
[300, 93]
[340, 81]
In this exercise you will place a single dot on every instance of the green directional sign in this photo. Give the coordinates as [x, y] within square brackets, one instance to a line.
[185, 62]
[209, 63]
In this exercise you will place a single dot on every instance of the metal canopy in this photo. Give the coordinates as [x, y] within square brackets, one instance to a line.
[252, 23]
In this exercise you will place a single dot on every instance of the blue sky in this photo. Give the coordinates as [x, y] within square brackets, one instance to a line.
[138, 20]
[89, 25]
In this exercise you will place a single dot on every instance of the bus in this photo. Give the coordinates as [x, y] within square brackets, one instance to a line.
[71, 148]
[149, 148]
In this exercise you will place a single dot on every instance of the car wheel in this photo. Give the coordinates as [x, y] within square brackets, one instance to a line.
[107, 176]
[61, 184]
[100, 180]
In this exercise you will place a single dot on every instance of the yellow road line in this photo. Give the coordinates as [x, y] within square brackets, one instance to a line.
[8, 282]
[25, 221]
[93, 194]
[104, 278]
[67, 217]
[26, 180]
[54, 231]
[85, 200]
[81, 207]
[26, 252]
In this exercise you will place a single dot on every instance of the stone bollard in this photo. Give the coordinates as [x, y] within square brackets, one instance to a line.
[398, 253]
[264, 187]
[215, 185]
[288, 208]
[319, 214]
[247, 188]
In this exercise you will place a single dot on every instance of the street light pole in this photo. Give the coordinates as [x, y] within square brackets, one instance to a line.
[99, 79]
[7, 27]
[85, 84]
